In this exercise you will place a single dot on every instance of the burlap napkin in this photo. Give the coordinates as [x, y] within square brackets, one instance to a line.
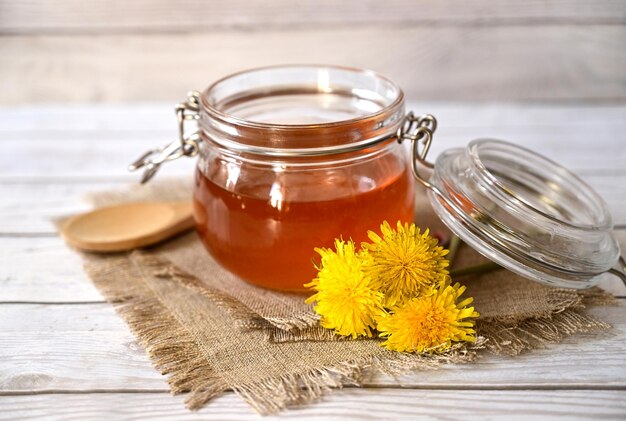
[211, 331]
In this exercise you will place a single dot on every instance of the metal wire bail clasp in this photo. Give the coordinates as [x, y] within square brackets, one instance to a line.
[418, 130]
[186, 145]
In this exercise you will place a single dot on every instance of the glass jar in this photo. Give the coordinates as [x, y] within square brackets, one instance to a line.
[292, 157]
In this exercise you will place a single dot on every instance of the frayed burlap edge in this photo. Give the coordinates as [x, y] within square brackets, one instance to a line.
[169, 345]
[597, 297]
[272, 395]
[513, 335]
[175, 353]
[504, 338]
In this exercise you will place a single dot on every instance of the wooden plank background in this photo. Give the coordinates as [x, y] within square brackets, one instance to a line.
[93, 16]
[350, 404]
[147, 50]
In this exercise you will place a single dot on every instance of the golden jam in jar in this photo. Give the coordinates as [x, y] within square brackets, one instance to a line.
[266, 231]
[291, 158]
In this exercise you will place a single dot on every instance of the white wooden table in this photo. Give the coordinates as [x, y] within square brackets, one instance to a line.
[64, 354]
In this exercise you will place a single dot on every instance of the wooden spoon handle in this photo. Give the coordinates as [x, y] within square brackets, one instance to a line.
[128, 226]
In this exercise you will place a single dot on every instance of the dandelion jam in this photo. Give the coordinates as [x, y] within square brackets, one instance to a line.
[265, 228]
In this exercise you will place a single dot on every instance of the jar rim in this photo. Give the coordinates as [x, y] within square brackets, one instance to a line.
[214, 111]
[356, 91]
[473, 150]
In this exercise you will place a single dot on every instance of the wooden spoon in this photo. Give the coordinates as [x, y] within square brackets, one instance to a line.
[128, 226]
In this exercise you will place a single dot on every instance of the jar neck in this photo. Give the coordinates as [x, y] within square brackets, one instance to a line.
[300, 110]
[210, 150]
[304, 140]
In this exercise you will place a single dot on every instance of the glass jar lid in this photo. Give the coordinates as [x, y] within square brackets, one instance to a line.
[524, 212]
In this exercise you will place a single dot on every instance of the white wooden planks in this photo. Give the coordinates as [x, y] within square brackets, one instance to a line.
[430, 62]
[58, 142]
[73, 16]
[44, 201]
[348, 404]
[42, 270]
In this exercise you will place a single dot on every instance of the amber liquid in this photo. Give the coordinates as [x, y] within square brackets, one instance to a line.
[268, 239]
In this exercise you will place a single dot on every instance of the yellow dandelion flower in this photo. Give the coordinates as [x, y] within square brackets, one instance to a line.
[404, 262]
[345, 297]
[430, 322]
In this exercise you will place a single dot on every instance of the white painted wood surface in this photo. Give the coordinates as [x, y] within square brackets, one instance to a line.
[64, 354]
[431, 62]
[97, 50]
[98, 142]
[349, 404]
[96, 16]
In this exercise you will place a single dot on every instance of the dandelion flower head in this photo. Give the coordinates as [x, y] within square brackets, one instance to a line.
[430, 322]
[404, 262]
[345, 297]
